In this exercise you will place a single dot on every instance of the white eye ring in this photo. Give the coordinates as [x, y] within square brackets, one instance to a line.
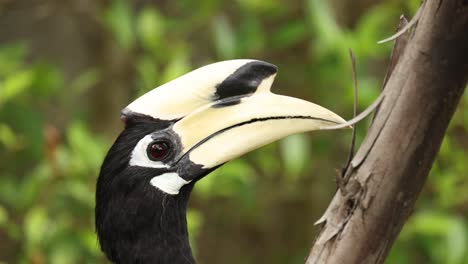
[139, 155]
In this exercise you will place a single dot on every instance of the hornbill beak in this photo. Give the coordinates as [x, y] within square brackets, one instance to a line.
[224, 110]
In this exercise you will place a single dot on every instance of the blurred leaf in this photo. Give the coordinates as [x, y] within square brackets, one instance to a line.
[48, 78]
[3, 216]
[295, 153]
[64, 252]
[33, 185]
[399, 254]
[367, 93]
[80, 192]
[261, 5]
[267, 159]
[11, 58]
[203, 10]
[457, 235]
[148, 72]
[7, 137]
[289, 34]
[25, 119]
[267, 9]
[233, 178]
[88, 150]
[8, 190]
[224, 38]
[150, 28]
[448, 175]
[323, 24]
[430, 223]
[251, 37]
[15, 84]
[35, 226]
[413, 5]
[118, 18]
[178, 66]
[373, 26]
[84, 81]
[194, 223]
[8, 225]
[89, 240]
[447, 232]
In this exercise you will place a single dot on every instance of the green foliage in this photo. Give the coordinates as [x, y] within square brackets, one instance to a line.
[150, 28]
[119, 19]
[295, 152]
[50, 151]
[235, 177]
[46, 182]
[224, 38]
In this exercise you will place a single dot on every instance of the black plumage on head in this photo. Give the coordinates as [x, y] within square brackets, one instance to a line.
[135, 222]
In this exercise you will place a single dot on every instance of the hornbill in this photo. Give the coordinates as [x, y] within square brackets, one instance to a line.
[176, 134]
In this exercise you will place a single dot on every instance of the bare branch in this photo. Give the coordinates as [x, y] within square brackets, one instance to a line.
[426, 78]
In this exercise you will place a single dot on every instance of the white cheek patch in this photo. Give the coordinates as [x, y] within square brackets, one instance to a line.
[140, 158]
[169, 183]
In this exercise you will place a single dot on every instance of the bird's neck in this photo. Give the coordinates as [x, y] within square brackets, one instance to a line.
[149, 228]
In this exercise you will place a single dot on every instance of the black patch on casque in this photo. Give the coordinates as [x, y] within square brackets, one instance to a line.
[245, 80]
[227, 102]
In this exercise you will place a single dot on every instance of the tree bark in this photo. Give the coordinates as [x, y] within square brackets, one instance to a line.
[386, 175]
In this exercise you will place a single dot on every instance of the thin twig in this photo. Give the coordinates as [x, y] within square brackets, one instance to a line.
[359, 117]
[410, 24]
[353, 140]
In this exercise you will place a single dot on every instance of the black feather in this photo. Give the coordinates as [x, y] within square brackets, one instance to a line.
[136, 222]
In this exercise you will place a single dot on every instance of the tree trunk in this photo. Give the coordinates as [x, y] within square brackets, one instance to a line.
[386, 175]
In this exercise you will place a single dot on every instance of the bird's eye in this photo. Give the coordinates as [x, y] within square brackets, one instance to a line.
[158, 150]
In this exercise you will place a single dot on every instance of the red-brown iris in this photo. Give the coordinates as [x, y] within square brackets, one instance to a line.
[158, 150]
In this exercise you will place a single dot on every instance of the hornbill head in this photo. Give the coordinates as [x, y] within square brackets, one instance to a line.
[175, 135]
